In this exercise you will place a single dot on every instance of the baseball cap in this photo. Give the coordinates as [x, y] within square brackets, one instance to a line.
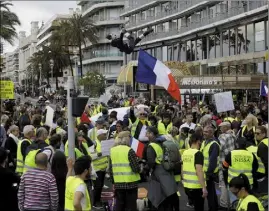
[101, 131]
[28, 128]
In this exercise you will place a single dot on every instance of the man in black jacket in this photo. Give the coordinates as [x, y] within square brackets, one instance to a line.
[127, 47]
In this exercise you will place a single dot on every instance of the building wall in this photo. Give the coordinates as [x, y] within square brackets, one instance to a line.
[207, 34]
[102, 56]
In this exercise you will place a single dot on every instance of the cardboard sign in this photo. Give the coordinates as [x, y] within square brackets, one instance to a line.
[7, 90]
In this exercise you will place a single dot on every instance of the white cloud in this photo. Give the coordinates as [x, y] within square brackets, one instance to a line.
[28, 11]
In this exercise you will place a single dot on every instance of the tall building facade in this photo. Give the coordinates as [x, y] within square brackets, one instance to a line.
[43, 39]
[10, 65]
[224, 43]
[102, 56]
[27, 47]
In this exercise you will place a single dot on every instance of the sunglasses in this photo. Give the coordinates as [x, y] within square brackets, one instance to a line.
[257, 134]
[143, 114]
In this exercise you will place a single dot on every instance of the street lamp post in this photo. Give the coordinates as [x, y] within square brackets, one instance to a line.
[51, 68]
[40, 77]
[76, 70]
[32, 69]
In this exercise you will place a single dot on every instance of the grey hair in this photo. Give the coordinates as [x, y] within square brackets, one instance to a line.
[123, 141]
[12, 128]
[40, 132]
[4, 118]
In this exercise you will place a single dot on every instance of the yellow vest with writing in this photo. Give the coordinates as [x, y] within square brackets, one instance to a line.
[159, 152]
[205, 150]
[189, 172]
[241, 162]
[243, 203]
[254, 149]
[102, 162]
[20, 162]
[161, 128]
[72, 184]
[122, 171]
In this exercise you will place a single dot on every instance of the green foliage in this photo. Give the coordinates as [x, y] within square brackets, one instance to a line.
[94, 83]
[9, 21]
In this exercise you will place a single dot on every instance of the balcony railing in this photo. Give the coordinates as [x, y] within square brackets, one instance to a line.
[97, 19]
[231, 12]
[174, 8]
[102, 53]
[137, 4]
[91, 3]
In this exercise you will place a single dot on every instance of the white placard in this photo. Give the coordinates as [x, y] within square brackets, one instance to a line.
[49, 116]
[106, 146]
[224, 101]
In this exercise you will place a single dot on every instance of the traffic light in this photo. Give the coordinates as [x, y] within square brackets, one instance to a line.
[78, 105]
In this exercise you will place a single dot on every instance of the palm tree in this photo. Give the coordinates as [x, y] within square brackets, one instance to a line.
[8, 22]
[77, 31]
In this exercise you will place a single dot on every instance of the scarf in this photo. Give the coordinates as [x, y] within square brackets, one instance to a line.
[14, 138]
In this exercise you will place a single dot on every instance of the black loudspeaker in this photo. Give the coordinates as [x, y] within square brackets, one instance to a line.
[78, 105]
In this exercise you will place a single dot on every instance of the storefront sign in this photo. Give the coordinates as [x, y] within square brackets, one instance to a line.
[199, 81]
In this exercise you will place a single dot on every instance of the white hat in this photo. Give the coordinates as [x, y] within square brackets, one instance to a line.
[225, 124]
[47, 101]
[28, 128]
[101, 131]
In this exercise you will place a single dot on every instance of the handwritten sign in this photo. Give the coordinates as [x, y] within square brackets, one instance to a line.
[7, 90]
[224, 101]
[106, 146]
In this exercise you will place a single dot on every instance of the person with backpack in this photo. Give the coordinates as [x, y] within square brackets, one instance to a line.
[162, 191]
[34, 148]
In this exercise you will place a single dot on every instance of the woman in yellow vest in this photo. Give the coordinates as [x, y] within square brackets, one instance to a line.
[248, 131]
[240, 187]
[76, 193]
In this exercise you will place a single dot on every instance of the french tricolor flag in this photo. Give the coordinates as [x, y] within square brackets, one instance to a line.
[152, 71]
[137, 146]
[263, 89]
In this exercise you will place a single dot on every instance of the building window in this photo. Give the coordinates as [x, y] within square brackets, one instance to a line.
[225, 43]
[260, 36]
[212, 46]
[176, 52]
[169, 53]
[232, 41]
[189, 51]
[217, 44]
[159, 53]
[199, 49]
[241, 40]
[250, 38]
[183, 52]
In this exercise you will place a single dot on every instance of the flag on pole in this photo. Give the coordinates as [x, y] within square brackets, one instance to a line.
[152, 71]
[137, 146]
[263, 89]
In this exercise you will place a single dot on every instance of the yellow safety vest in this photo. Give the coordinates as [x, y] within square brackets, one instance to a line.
[243, 203]
[78, 153]
[134, 126]
[159, 152]
[205, 150]
[47, 141]
[29, 162]
[189, 171]
[20, 162]
[93, 134]
[155, 110]
[229, 119]
[72, 184]
[101, 163]
[161, 128]
[126, 103]
[241, 162]
[122, 171]
[254, 149]
[265, 141]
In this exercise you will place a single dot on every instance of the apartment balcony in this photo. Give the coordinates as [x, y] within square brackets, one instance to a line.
[94, 6]
[40, 41]
[233, 14]
[108, 21]
[174, 12]
[101, 40]
[139, 6]
[102, 56]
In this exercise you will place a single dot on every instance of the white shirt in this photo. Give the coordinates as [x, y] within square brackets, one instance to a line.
[82, 188]
[191, 126]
